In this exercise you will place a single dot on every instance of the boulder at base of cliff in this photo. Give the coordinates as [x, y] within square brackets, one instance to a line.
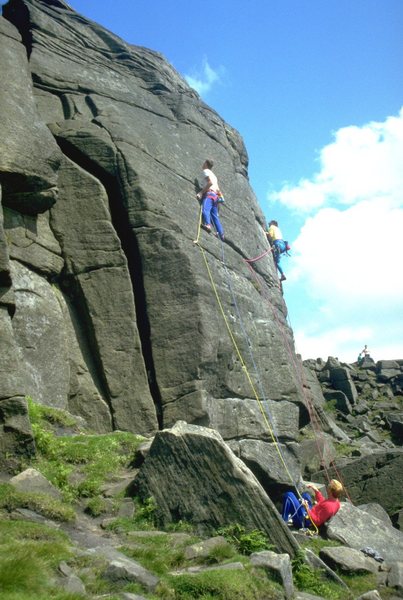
[359, 529]
[195, 477]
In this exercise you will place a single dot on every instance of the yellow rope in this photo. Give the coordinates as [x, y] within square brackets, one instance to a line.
[196, 241]
[244, 367]
[243, 364]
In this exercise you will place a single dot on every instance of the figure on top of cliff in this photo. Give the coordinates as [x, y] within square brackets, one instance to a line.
[278, 245]
[363, 355]
[210, 197]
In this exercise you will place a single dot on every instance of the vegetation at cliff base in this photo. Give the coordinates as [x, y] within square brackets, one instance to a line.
[29, 555]
[78, 465]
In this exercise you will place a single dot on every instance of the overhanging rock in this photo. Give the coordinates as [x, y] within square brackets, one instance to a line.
[194, 476]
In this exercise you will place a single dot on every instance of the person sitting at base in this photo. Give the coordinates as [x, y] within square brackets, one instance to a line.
[302, 513]
[210, 196]
[278, 245]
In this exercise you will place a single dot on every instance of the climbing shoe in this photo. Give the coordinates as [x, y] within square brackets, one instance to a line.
[283, 278]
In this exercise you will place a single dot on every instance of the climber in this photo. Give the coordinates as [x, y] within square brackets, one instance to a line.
[210, 197]
[278, 245]
[302, 513]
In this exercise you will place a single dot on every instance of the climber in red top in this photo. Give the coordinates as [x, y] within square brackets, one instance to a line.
[325, 508]
[302, 513]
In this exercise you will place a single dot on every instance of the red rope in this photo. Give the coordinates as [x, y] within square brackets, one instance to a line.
[252, 260]
[313, 415]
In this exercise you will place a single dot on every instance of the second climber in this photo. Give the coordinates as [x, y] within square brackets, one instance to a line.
[278, 245]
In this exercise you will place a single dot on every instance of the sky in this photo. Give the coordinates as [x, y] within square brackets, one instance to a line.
[315, 88]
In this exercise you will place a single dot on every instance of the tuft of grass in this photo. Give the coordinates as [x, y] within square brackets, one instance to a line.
[218, 585]
[220, 554]
[97, 506]
[359, 583]
[144, 518]
[180, 527]
[330, 406]
[310, 580]
[49, 507]
[25, 531]
[317, 543]
[43, 415]
[244, 541]
[157, 554]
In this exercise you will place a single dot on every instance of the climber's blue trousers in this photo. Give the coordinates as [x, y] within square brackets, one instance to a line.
[210, 213]
[293, 508]
[279, 248]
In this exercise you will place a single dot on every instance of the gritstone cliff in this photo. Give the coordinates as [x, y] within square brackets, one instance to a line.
[106, 305]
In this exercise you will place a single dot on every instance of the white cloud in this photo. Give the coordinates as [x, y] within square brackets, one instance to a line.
[347, 259]
[203, 79]
[352, 253]
[361, 163]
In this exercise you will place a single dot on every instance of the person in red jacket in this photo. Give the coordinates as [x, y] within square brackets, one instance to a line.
[302, 512]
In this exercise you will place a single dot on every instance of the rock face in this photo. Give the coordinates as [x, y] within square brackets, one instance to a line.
[106, 305]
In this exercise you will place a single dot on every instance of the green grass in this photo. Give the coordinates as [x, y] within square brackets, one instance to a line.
[49, 507]
[97, 506]
[316, 543]
[29, 556]
[310, 580]
[245, 541]
[144, 518]
[95, 457]
[156, 553]
[359, 584]
[219, 585]
[79, 465]
[45, 415]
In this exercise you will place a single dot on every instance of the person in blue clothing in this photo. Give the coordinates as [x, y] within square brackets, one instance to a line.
[302, 512]
[278, 245]
[210, 197]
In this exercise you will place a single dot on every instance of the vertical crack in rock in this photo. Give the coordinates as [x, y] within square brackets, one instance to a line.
[133, 256]
[18, 14]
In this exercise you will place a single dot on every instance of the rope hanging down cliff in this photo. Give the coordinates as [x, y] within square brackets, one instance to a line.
[298, 370]
[265, 417]
[263, 408]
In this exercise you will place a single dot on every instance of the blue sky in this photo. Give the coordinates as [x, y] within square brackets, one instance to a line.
[315, 88]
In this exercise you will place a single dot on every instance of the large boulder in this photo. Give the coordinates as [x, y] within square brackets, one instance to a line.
[348, 560]
[358, 529]
[341, 379]
[32, 481]
[194, 476]
[387, 369]
[277, 565]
